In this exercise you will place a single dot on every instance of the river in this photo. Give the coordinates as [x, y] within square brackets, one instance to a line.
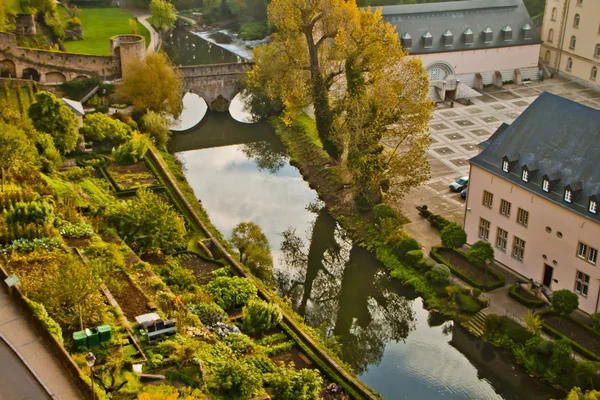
[241, 172]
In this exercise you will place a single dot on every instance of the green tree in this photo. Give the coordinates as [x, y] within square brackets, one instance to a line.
[49, 114]
[49, 156]
[7, 19]
[480, 253]
[16, 151]
[153, 84]
[147, 223]
[260, 316]
[99, 127]
[47, 6]
[231, 292]
[253, 246]
[586, 371]
[453, 236]
[288, 383]
[157, 127]
[534, 323]
[562, 362]
[163, 14]
[439, 274]
[577, 394]
[238, 379]
[564, 302]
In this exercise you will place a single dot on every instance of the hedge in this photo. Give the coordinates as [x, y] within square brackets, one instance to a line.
[513, 292]
[498, 279]
[558, 335]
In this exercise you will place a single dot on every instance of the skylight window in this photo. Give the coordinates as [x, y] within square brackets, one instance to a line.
[505, 166]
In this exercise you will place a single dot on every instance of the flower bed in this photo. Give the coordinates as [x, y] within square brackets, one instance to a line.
[585, 340]
[465, 270]
[525, 298]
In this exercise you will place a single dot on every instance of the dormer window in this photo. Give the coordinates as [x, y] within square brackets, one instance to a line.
[488, 35]
[505, 166]
[507, 33]
[593, 208]
[448, 38]
[427, 40]
[525, 176]
[546, 185]
[406, 41]
[468, 36]
[527, 32]
[568, 195]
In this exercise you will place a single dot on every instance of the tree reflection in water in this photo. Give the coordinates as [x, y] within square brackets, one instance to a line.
[342, 286]
[268, 156]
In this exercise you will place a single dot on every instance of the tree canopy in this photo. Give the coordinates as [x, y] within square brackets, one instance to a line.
[16, 151]
[480, 252]
[99, 126]
[153, 84]
[49, 114]
[564, 302]
[253, 246]
[157, 127]
[163, 14]
[453, 236]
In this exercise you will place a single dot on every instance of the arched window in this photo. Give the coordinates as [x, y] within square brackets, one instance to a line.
[553, 17]
[576, 21]
[579, 2]
[551, 35]
[594, 73]
[573, 42]
[597, 52]
[547, 57]
[569, 64]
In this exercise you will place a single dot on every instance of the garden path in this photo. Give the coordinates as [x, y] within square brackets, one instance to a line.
[142, 15]
[17, 330]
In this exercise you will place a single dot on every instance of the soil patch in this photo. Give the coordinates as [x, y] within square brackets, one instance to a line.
[74, 242]
[462, 263]
[201, 268]
[129, 297]
[154, 258]
[296, 356]
[130, 176]
[575, 332]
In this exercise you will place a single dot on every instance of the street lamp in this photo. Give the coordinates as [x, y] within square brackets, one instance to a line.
[91, 360]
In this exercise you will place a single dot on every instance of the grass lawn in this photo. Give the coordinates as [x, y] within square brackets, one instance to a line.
[13, 97]
[99, 25]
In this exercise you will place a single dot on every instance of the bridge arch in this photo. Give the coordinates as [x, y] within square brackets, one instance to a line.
[31, 73]
[8, 69]
[80, 78]
[55, 77]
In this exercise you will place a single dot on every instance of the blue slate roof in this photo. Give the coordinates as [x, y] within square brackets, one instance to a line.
[460, 25]
[554, 138]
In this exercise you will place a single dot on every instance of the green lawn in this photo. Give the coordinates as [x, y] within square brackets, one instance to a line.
[99, 25]
[13, 97]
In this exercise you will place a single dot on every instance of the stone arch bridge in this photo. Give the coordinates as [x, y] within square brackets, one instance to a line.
[217, 84]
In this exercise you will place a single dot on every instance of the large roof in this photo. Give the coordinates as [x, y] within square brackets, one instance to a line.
[461, 25]
[555, 139]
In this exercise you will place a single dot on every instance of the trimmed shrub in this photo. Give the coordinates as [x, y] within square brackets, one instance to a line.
[545, 347]
[404, 246]
[596, 322]
[231, 292]
[467, 303]
[40, 313]
[383, 211]
[239, 343]
[514, 292]
[209, 313]
[414, 257]
[438, 274]
[132, 151]
[453, 236]
[260, 316]
[492, 323]
[564, 302]
[514, 330]
[99, 127]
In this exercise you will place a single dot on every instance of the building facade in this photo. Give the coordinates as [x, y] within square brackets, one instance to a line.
[480, 42]
[534, 194]
[571, 35]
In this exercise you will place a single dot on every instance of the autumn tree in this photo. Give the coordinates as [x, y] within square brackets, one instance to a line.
[16, 151]
[163, 14]
[99, 126]
[153, 84]
[157, 127]
[49, 114]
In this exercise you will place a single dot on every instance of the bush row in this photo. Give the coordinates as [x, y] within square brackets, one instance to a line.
[514, 293]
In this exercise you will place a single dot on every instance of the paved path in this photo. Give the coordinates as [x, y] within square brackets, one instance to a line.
[16, 381]
[16, 329]
[142, 15]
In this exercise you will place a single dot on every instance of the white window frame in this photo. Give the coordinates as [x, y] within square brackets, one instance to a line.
[582, 250]
[484, 229]
[525, 176]
[523, 217]
[587, 253]
[546, 185]
[501, 239]
[518, 248]
[573, 42]
[568, 196]
[592, 257]
[594, 73]
[505, 207]
[582, 283]
[488, 199]
[505, 166]
[597, 53]
[593, 208]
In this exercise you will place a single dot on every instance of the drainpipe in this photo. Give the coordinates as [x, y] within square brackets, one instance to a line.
[564, 33]
[598, 300]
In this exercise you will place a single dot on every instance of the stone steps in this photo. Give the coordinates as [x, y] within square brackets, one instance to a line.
[476, 325]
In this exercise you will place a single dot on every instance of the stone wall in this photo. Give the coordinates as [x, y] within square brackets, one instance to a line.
[25, 25]
[127, 48]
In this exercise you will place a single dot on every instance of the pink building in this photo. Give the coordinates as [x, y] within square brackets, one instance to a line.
[534, 192]
[477, 42]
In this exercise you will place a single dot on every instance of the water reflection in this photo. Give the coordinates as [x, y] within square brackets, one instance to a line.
[187, 48]
[393, 343]
[194, 109]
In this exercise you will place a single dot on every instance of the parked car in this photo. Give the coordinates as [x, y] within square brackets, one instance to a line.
[463, 194]
[459, 184]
